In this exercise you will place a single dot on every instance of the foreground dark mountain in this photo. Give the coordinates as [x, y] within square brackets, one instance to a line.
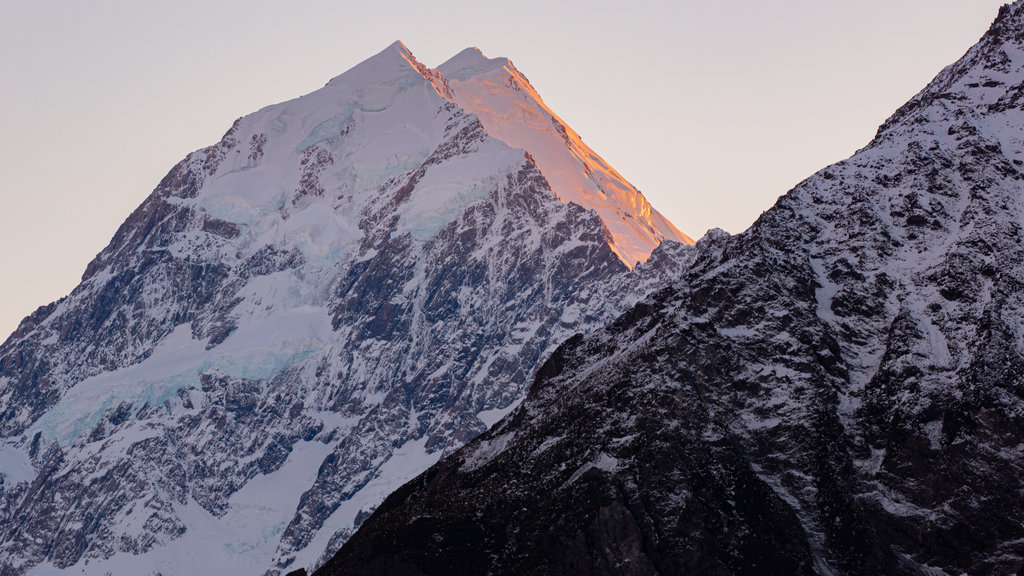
[307, 314]
[838, 390]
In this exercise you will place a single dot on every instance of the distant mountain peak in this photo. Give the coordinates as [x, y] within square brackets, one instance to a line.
[469, 63]
[979, 78]
[511, 109]
[391, 63]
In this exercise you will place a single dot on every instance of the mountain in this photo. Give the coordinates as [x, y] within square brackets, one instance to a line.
[511, 110]
[838, 390]
[305, 315]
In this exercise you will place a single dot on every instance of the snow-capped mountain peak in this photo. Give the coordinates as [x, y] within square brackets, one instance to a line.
[393, 62]
[303, 316]
[511, 110]
[470, 62]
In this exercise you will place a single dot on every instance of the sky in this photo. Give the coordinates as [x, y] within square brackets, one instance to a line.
[712, 109]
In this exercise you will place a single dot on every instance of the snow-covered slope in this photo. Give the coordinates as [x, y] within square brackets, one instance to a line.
[839, 390]
[296, 321]
[512, 111]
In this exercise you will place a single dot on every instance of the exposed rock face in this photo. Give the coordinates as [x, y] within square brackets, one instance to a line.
[838, 390]
[298, 319]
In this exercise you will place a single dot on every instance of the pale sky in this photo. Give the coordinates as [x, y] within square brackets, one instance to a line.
[711, 108]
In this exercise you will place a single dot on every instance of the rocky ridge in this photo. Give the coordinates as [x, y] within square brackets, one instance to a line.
[837, 390]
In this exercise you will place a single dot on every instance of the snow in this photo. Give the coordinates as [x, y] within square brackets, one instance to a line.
[825, 292]
[606, 463]
[937, 344]
[933, 430]
[602, 461]
[244, 195]
[243, 541]
[15, 465]
[233, 208]
[406, 462]
[322, 236]
[267, 346]
[259, 349]
[117, 445]
[470, 62]
[492, 416]
[512, 111]
[330, 128]
[394, 62]
[151, 381]
[547, 444]
[486, 451]
[445, 191]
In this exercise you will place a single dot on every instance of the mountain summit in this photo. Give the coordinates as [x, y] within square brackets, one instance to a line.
[305, 315]
[512, 111]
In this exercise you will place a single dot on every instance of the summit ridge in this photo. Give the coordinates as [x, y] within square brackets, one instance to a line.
[510, 109]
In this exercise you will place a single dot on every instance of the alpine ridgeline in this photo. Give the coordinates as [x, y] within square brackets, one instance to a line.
[307, 314]
[838, 390]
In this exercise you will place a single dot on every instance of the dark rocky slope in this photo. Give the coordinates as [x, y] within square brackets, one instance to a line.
[838, 390]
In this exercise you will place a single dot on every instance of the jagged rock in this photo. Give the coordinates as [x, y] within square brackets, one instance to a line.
[837, 390]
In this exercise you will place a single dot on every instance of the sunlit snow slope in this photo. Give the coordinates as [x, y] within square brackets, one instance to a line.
[512, 111]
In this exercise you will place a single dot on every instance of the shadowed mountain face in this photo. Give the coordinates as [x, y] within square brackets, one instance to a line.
[307, 314]
[838, 390]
